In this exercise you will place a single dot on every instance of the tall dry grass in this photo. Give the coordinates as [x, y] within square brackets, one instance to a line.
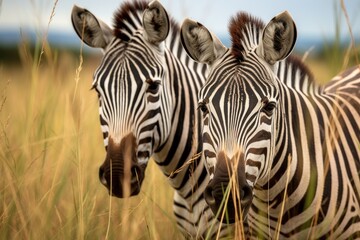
[50, 150]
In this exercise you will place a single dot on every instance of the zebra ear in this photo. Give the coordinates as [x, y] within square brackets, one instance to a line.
[156, 22]
[278, 38]
[90, 30]
[200, 44]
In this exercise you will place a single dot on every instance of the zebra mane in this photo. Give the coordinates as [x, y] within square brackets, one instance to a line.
[128, 19]
[245, 31]
[296, 74]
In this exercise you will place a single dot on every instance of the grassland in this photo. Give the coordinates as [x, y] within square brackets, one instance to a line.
[50, 150]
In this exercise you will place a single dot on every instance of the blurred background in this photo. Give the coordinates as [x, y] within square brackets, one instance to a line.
[50, 140]
[323, 29]
[316, 20]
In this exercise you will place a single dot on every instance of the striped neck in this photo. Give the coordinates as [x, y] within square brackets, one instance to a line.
[295, 83]
[185, 77]
[294, 80]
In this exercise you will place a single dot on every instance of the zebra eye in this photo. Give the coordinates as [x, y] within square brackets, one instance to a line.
[153, 86]
[268, 106]
[203, 107]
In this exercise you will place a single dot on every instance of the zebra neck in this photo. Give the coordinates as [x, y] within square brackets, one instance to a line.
[289, 130]
[177, 155]
[294, 74]
[269, 192]
[296, 83]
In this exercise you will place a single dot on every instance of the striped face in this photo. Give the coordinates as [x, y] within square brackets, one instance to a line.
[132, 107]
[239, 102]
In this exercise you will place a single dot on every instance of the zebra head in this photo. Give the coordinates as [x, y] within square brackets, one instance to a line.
[130, 84]
[239, 102]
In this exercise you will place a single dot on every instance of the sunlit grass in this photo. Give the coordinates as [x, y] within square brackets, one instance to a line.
[50, 150]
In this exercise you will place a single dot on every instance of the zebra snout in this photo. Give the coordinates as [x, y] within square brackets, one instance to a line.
[121, 172]
[122, 185]
[238, 203]
[246, 197]
[214, 195]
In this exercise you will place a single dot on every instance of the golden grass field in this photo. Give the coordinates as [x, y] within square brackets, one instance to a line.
[50, 149]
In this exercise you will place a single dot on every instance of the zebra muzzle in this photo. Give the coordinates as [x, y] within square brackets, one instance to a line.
[221, 195]
[120, 173]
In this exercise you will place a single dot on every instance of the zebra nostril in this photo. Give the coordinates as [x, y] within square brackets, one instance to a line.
[245, 195]
[102, 176]
[208, 195]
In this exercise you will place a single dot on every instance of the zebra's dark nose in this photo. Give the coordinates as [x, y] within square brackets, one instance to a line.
[120, 173]
[219, 202]
[216, 198]
[239, 200]
[119, 186]
[135, 175]
[245, 196]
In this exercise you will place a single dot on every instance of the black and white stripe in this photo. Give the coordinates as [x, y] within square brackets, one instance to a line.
[150, 90]
[297, 142]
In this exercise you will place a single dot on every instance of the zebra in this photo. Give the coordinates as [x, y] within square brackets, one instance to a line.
[147, 89]
[282, 148]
